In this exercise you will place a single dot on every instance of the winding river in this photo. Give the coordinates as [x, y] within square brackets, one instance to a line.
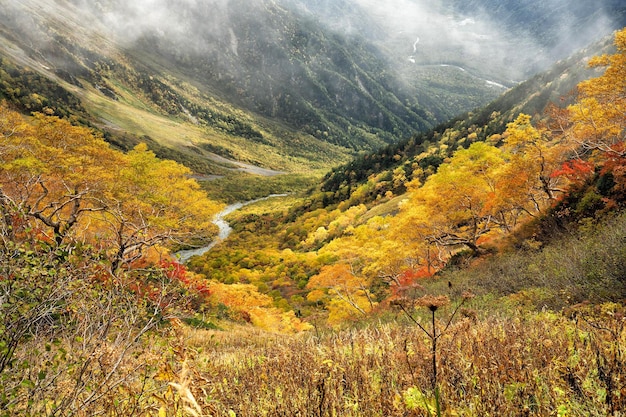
[224, 228]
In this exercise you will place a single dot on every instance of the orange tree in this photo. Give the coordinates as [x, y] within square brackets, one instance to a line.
[533, 155]
[343, 292]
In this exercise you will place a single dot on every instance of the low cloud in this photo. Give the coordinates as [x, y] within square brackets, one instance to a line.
[497, 42]
[413, 32]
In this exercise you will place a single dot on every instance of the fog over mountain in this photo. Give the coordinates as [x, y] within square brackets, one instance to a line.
[351, 72]
[507, 39]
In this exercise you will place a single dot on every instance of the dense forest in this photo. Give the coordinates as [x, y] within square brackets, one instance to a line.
[515, 187]
[475, 269]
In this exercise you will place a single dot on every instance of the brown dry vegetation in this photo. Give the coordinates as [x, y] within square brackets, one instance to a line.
[506, 364]
[540, 364]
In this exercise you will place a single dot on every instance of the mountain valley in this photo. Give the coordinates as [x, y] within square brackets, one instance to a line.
[312, 207]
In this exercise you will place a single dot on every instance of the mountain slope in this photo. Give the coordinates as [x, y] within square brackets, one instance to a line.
[465, 193]
[260, 69]
[427, 150]
[289, 85]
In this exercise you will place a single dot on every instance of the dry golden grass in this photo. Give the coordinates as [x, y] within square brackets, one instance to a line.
[539, 364]
[521, 364]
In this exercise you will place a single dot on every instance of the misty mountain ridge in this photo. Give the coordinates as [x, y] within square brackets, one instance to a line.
[354, 74]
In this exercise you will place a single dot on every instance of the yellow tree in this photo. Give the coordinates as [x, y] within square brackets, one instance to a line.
[14, 145]
[155, 201]
[596, 120]
[532, 157]
[68, 185]
[56, 173]
[480, 192]
[458, 204]
[408, 247]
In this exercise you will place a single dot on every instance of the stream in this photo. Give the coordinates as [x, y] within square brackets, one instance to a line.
[224, 228]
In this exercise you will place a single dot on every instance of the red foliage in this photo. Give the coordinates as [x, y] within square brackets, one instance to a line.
[575, 170]
[177, 275]
[176, 271]
[615, 164]
[408, 280]
[409, 276]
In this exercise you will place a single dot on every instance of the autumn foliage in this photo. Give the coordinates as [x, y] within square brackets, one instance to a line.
[93, 303]
[65, 185]
[84, 228]
[475, 202]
